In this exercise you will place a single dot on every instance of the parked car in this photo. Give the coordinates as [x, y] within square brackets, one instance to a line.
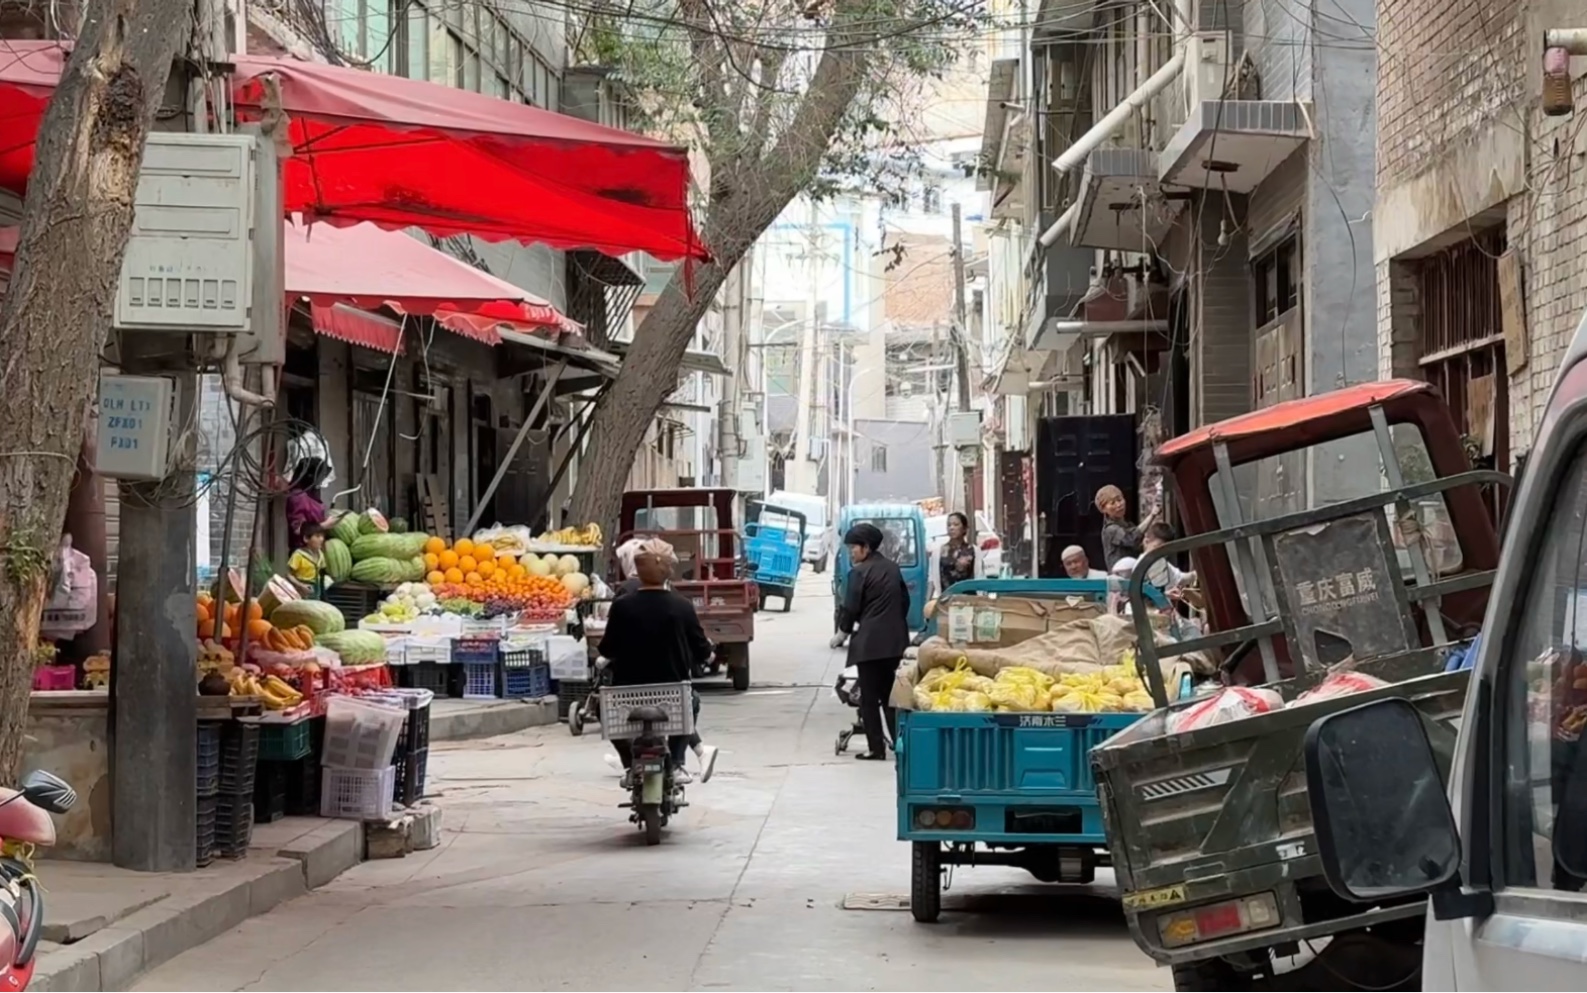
[985, 534]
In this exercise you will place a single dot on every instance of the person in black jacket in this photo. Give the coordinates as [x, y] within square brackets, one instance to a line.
[875, 613]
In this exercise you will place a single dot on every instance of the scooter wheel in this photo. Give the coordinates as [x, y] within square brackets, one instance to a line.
[843, 742]
[650, 819]
[576, 719]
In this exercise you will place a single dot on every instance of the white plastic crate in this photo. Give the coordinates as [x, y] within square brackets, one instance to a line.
[474, 627]
[617, 702]
[358, 794]
[397, 650]
[428, 650]
[360, 734]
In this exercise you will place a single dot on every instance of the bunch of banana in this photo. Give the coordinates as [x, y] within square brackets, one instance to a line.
[588, 536]
[277, 694]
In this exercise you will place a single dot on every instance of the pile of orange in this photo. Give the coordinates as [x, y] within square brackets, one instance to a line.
[477, 571]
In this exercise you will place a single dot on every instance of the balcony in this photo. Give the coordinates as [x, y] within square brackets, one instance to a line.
[1232, 144]
[1120, 201]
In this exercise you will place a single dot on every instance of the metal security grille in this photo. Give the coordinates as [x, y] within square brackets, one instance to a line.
[1462, 345]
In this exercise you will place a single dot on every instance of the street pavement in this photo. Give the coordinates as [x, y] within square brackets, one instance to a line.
[540, 882]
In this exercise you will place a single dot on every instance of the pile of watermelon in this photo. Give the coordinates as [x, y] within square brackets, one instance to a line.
[367, 548]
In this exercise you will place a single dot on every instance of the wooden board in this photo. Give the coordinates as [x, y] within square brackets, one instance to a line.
[1512, 312]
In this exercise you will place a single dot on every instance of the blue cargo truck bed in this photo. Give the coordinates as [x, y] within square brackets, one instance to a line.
[1000, 789]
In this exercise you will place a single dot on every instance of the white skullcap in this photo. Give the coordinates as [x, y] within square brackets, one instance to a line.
[1072, 550]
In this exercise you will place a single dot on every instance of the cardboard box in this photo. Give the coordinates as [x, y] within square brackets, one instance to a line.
[990, 621]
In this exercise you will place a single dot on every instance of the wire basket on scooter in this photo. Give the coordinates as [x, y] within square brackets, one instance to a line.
[617, 702]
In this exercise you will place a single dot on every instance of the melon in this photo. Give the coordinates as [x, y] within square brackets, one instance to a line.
[380, 571]
[381, 546]
[355, 647]
[338, 559]
[371, 521]
[319, 616]
[398, 525]
[344, 525]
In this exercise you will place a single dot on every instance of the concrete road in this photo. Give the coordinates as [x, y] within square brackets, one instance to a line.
[541, 884]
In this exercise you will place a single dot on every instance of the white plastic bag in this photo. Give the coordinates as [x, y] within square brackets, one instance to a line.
[1231, 704]
[74, 594]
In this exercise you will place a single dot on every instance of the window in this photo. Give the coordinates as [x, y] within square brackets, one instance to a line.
[1277, 278]
[898, 540]
[878, 458]
[470, 77]
[1545, 706]
[931, 200]
[418, 43]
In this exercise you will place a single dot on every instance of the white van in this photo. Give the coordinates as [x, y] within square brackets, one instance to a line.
[818, 544]
[1503, 856]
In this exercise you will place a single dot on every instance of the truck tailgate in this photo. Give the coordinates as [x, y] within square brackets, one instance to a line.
[1187, 812]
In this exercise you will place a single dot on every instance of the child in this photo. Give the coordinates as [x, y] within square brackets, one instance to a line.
[1164, 574]
[1120, 538]
[307, 563]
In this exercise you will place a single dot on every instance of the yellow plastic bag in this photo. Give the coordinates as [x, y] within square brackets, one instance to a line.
[1011, 695]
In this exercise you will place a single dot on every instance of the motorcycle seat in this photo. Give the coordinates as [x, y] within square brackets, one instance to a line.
[654, 715]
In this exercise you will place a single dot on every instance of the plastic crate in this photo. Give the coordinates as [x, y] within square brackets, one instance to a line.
[360, 734]
[239, 758]
[48, 678]
[208, 758]
[422, 650]
[409, 776]
[356, 601]
[297, 783]
[481, 680]
[415, 735]
[569, 692]
[233, 826]
[270, 793]
[530, 682]
[476, 650]
[357, 794]
[204, 835]
[285, 742]
[433, 676]
[618, 701]
[396, 650]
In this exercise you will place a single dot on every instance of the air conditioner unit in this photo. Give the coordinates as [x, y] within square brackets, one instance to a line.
[1207, 67]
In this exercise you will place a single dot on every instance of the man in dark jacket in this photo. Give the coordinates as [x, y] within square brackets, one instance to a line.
[875, 613]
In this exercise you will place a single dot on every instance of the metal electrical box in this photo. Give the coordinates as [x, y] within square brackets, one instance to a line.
[964, 429]
[189, 265]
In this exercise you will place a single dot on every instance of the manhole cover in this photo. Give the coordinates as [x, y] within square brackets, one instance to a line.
[875, 901]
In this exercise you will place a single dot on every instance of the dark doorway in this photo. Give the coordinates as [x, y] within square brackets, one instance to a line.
[1075, 457]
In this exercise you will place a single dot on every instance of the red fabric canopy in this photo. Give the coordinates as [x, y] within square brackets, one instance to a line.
[407, 153]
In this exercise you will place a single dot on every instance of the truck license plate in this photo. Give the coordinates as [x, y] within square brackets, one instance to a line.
[1152, 899]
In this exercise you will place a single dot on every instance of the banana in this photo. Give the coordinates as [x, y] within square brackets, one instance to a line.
[282, 689]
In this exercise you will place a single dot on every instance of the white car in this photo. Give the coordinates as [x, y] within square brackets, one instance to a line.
[986, 537]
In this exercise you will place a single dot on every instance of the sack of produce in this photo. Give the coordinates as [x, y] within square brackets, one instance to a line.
[1231, 704]
[1341, 683]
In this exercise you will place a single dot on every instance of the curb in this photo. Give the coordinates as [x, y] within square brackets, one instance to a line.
[114, 957]
[491, 719]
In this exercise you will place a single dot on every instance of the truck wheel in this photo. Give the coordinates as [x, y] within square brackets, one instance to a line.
[740, 674]
[1213, 974]
[1361, 960]
[820, 565]
[925, 882]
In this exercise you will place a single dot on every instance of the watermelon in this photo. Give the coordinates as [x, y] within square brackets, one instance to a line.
[372, 521]
[399, 525]
[416, 570]
[355, 647]
[382, 546]
[319, 616]
[338, 559]
[345, 526]
[380, 571]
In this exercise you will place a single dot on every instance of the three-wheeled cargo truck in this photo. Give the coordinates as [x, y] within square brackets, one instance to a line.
[1208, 822]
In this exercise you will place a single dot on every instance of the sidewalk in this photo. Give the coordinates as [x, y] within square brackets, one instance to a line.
[106, 926]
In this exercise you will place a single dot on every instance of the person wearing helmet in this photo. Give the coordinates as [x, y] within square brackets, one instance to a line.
[875, 613]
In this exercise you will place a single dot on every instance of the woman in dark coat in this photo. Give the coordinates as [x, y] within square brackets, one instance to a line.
[875, 613]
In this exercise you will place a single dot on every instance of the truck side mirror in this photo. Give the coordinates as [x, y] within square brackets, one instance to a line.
[1384, 826]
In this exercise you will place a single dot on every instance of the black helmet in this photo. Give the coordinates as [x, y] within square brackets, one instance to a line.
[864, 533]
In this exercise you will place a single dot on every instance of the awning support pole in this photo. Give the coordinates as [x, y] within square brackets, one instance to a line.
[585, 417]
[552, 376]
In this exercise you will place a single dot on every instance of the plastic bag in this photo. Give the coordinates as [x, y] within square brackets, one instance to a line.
[74, 594]
[1231, 704]
[1012, 695]
[1339, 684]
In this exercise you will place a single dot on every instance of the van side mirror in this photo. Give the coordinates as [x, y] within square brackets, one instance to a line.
[1384, 826]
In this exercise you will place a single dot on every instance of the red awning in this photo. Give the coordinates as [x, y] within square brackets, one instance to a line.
[407, 153]
[337, 269]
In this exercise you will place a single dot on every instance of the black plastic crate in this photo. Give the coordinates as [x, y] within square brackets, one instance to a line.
[233, 826]
[411, 769]
[204, 836]
[356, 601]
[415, 734]
[239, 758]
[529, 682]
[569, 692]
[270, 793]
[208, 777]
[437, 677]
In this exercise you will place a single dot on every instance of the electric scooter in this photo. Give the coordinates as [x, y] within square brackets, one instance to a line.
[654, 793]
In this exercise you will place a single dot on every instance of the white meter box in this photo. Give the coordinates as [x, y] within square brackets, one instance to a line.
[135, 415]
[189, 261]
[964, 429]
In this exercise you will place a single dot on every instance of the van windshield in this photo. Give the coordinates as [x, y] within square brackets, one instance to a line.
[898, 540]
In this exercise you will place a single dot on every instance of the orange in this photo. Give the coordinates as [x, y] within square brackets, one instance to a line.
[448, 559]
[473, 579]
[467, 563]
[435, 546]
[517, 571]
[435, 578]
[486, 568]
[505, 561]
[454, 574]
[463, 547]
[432, 560]
[255, 611]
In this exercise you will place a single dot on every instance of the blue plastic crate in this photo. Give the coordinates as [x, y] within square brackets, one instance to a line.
[528, 682]
[476, 650]
[481, 680]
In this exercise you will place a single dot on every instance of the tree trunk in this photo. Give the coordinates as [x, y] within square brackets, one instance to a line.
[56, 312]
[648, 374]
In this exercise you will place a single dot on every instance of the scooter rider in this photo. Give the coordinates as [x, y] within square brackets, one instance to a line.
[653, 635]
